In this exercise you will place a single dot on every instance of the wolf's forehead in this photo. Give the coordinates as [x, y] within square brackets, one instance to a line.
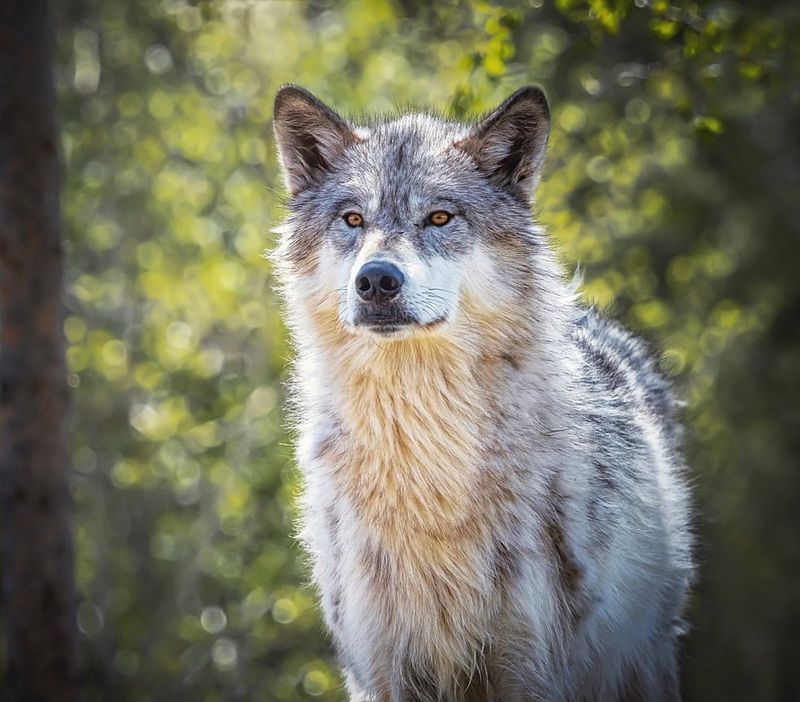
[405, 160]
[417, 130]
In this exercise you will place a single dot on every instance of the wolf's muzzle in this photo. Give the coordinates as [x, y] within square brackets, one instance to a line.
[379, 281]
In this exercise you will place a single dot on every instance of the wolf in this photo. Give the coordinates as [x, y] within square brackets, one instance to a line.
[494, 499]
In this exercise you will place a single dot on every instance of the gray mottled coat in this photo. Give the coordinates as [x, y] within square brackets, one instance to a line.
[494, 501]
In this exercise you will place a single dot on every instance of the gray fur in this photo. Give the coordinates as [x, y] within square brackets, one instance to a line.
[494, 500]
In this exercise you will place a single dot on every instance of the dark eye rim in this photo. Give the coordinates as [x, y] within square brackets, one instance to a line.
[449, 219]
[346, 216]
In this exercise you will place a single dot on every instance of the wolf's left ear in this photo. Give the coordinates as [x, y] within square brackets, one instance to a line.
[310, 136]
[509, 143]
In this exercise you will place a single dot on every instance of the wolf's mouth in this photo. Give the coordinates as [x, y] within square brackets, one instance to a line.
[386, 329]
[389, 321]
[382, 316]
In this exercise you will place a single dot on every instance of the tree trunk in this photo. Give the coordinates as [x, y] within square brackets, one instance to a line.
[38, 591]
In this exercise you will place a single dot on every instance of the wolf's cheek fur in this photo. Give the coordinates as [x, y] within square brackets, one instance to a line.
[483, 282]
[333, 280]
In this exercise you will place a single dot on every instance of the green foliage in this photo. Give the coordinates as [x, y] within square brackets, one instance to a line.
[672, 178]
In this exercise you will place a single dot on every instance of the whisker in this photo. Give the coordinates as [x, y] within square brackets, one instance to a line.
[435, 293]
[441, 290]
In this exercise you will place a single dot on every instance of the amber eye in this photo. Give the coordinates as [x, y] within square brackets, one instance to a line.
[439, 218]
[354, 219]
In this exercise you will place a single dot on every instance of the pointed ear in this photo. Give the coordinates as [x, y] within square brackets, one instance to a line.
[310, 136]
[509, 143]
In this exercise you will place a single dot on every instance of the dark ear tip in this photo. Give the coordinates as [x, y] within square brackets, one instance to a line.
[531, 94]
[289, 92]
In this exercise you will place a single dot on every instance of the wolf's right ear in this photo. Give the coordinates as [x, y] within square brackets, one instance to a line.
[509, 143]
[310, 136]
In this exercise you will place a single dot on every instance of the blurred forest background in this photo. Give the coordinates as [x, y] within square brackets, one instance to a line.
[673, 177]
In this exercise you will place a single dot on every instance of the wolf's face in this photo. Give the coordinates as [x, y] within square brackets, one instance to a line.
[399, 223]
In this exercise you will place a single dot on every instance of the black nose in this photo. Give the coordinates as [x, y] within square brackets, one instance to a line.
[378, 281]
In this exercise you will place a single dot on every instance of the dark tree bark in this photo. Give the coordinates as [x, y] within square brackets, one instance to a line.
[38, 591]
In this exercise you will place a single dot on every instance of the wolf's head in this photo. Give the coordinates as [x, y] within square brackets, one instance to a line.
[412, 226]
